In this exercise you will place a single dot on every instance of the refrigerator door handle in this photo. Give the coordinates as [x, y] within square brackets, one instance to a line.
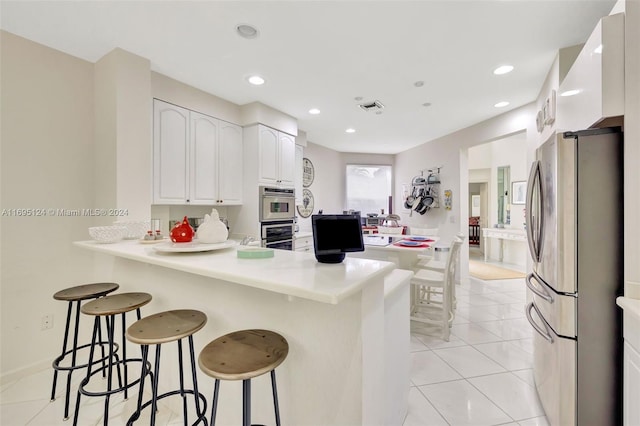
[544, 333]
[543, 293]
[534, 230]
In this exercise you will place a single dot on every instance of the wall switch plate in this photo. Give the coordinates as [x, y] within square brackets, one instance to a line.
[47, 322]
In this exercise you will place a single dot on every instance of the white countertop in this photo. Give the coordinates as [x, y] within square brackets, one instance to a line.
[629, 305]
[288, 272]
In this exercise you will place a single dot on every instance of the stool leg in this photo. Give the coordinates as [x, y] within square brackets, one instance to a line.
[214, 407]
[96, 326]
[182, 394]
[196, 393]
[124, 359]
[104, 370]
[143, 374]
[246, 402]
[73, 361]
[64, 349]
[112, 322]
[275, 397]
[154, 400]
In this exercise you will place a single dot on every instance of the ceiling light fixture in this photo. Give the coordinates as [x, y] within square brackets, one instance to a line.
[419, 83]
[247, 31]
[501, 104]
[426, 104]
[350, 130]
[314, 111]
[504, 69]
[570, 92]
[256, 80]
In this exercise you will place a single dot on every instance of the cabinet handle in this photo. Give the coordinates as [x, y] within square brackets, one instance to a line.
[188, 200]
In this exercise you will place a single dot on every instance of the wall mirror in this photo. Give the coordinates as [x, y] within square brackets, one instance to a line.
[504, 186]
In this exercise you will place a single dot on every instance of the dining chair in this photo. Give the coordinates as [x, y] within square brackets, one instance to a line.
[423, 309]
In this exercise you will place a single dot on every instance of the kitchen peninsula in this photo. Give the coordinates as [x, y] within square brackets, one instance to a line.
[334, 317]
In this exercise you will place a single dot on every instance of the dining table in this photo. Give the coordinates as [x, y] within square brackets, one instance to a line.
[402, 250]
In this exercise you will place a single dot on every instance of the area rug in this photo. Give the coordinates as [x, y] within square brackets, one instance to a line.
[485, 271]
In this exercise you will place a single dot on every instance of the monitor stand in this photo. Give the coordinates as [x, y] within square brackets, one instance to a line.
[330, 258]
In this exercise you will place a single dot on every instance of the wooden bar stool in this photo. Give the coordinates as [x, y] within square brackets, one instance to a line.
[76, 294]
[243, 355]
[161, 328]
[109, 307]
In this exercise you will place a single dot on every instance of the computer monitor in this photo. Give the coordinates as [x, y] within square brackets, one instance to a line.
[336, 234]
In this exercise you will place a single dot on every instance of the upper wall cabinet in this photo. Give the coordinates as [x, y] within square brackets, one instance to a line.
[197, 159]
[593, 90]
[276, 157]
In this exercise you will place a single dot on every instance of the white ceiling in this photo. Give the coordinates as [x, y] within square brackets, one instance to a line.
[323, 54]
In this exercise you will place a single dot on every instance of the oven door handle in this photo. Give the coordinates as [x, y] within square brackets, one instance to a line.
[544, 333]
[544, 294]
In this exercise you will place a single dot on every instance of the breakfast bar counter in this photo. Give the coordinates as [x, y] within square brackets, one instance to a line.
[347, 325]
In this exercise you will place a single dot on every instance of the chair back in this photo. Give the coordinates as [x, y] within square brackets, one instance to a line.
[452, 262]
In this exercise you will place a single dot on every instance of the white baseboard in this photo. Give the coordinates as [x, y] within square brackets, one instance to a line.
[19, 373]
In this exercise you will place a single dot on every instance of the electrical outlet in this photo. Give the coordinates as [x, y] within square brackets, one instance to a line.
[47, 322]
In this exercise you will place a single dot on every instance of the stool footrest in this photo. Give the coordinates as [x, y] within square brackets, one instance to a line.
[56, 362]
[120, 388]
[201, 415]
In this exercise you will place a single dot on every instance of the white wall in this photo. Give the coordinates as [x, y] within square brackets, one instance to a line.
[47, 162]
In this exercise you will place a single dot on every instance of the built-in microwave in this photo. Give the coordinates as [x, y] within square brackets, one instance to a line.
[276, 204]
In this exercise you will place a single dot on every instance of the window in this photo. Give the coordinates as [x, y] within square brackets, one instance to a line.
[368, 188]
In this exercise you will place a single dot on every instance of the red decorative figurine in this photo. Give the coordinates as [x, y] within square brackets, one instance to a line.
[182, 232]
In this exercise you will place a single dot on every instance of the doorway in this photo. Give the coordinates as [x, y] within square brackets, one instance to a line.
[478, 212]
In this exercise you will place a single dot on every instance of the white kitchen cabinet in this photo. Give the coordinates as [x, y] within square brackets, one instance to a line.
[631, 362]
[303, 243]
[197, 158]
[276, 158]
[298, 173]
[596, 79]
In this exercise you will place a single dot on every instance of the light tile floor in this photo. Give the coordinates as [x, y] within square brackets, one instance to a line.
[483, 375]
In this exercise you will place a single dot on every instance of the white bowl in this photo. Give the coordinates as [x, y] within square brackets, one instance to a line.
[396, 230]
[107, 234]
[134, 229]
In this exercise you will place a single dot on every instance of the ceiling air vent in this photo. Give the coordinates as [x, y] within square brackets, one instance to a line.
[372, 106]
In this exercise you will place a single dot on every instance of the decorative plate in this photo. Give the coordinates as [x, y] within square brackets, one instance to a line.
[410, 243]
[308, 172]
[420, 239]
[306, 208]
[193, 246]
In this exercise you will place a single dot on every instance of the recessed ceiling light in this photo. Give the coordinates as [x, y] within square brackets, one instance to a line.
[350, 130]
[419, 83]
[247, 31]
[501, 104]
[570, 92]
[256, 80]
[504, 69]
[314, 111]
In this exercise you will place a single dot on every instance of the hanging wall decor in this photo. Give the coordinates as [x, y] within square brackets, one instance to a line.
[308, 172]
[447, 199]
[306, 208]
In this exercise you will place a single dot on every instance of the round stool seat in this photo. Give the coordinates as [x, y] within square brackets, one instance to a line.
[244, 354]
[116, 304]
[85, 291]
[166, 326]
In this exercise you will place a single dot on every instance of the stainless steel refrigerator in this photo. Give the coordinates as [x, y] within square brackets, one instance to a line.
[574, 217]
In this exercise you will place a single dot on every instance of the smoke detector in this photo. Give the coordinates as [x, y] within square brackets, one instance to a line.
[372, 106]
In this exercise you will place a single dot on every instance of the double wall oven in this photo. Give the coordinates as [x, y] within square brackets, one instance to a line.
[277, 217]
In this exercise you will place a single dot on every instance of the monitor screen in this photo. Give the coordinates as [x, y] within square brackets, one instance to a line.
[334, 234]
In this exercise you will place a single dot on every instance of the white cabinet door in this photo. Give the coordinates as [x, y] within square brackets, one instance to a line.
[631, 385]
[287, 160]
[298, 173]
[268, 155]
[170, 153]
[230, 168]
[197, 159]
[203, 159]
